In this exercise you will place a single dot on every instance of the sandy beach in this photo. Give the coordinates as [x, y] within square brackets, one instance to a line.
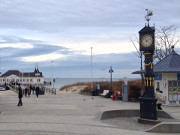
[72, 90]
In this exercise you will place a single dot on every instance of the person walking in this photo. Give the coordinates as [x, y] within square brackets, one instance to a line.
[30, 87]
[33, 89]
[20, 95]
[160, 98]
[29, 92]
[37, 91]
[26, 91]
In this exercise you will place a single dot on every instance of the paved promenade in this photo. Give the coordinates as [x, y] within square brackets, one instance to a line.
[71, 114]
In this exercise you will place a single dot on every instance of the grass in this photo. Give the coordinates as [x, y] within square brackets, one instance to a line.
[134, 87]
[75, 84]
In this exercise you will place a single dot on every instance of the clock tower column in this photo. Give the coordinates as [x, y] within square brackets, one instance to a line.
[148, 113]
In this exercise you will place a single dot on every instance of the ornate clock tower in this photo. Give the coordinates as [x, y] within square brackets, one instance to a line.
[148, 101]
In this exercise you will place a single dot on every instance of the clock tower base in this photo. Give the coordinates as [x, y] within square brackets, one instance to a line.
[148, 108]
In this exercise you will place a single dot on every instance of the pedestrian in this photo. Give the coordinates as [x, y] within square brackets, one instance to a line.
[160, 98]
[29, 92]
[30, 87]
[26, 91]
[33, 89]
[37, 91]
[20, 95]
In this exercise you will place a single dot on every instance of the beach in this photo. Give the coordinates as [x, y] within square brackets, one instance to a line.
[72, 90]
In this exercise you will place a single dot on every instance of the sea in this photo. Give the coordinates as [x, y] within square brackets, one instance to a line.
[59, 82]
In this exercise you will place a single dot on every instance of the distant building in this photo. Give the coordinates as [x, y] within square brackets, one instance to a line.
[24, 78]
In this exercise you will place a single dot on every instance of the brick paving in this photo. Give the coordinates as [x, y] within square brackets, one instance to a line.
[72, 114]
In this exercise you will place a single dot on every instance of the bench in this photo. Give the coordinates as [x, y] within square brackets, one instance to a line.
[105, 92]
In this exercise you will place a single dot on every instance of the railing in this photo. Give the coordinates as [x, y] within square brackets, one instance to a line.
[46, 90]
[50, 91]
[13, 87]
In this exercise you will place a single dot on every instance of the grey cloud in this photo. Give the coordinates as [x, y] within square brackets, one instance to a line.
[86, 20]
[120, 61]
[39, 48]
[81, 64]
[77, 63]
[15, 39]
[55, 15]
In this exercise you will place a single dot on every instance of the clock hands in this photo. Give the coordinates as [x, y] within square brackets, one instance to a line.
[147, 40]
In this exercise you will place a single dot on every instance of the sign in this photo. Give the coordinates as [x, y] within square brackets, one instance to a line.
[158, 76]
[98, 86]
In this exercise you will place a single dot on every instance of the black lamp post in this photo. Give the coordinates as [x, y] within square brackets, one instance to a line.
[53, 86]
[110, 71]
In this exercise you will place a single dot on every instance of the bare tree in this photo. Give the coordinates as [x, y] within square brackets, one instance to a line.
[166, 37]
[139, 54]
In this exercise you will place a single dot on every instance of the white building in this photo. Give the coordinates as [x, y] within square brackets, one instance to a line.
[167, 77]
[23, 78]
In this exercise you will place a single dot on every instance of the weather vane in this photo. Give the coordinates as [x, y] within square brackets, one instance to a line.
[147, 17]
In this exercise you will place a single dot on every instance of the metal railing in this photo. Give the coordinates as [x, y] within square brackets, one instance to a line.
[50, 91]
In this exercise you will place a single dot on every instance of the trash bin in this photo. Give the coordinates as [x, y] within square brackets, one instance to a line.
[93, 92]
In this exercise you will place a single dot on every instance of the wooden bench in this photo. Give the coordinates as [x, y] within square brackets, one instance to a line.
[105, 92]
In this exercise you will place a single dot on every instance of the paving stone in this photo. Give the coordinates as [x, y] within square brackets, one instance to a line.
[72, 114]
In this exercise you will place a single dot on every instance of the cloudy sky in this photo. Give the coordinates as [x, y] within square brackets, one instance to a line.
[63, 31]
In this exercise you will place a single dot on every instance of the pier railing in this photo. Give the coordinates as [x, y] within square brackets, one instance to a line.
[51, 91]
[42, 89]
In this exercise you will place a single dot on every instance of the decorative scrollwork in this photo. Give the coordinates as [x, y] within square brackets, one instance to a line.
[150, 63]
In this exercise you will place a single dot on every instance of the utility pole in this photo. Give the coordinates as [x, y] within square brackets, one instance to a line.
[91, 71]
[110, 71]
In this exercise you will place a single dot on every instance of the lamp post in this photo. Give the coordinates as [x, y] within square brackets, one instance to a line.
[110, 71]
[91, 70]
[53, 79]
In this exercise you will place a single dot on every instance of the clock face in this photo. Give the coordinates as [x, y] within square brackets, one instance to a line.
[146, 40]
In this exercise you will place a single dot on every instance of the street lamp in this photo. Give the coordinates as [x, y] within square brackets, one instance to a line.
[91, 70]
[53, 79]
[111, 71]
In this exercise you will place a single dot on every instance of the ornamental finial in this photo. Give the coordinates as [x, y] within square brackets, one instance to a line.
[147, 17]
